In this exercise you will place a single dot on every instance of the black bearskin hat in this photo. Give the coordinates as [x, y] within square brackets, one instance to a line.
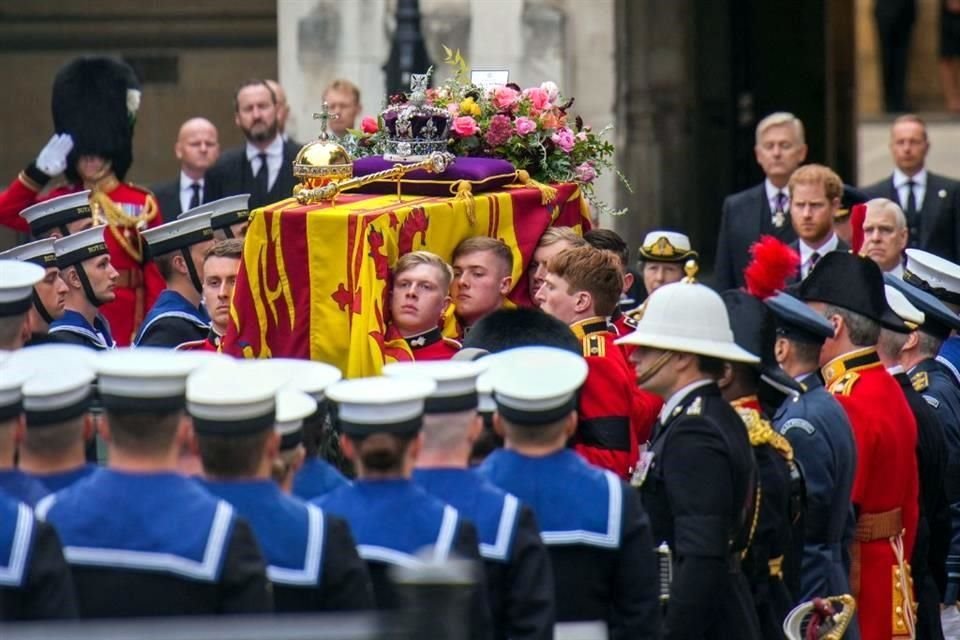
[95, 100]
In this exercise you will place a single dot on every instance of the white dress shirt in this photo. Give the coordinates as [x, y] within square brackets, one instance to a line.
[806, 251]
[919, 187]
[186, 192]
[772, 192]
[274, 159]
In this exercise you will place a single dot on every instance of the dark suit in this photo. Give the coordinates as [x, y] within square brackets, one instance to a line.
[168, 197]
[233, 175]
[939, 214]
[795, 245]
[746, 216]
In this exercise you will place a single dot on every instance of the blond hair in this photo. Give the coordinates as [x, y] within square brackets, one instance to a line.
[553, 235]
[414, 259]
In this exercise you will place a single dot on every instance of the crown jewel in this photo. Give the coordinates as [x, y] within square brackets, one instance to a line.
[414, 128]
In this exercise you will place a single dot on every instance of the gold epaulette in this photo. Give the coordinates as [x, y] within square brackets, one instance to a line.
[594, 345]
[920, 381]
[761, 432]
[636, 314]
[843, 385]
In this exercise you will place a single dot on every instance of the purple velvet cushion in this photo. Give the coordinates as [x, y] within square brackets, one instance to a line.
[483, 174]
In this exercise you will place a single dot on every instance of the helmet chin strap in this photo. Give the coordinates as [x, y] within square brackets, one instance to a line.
[42, 310]
[652, 370]
[194, 276]
[87, 287]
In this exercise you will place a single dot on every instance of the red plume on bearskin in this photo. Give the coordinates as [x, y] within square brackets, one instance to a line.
[773, 263]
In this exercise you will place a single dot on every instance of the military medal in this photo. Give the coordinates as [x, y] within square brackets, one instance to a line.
[642, 469]
[778, 219]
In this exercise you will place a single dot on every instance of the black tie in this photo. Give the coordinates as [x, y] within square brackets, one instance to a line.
[813, 261]
[261, 179]
[780, 202]
[910, 212]
[195, 198]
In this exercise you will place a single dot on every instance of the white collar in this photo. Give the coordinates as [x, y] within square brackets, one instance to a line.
[895, 369]
[772, 191]
[186, 181]
[900, 178]
[806, 251]
[897, 271]
[273, 150]
[679, 395]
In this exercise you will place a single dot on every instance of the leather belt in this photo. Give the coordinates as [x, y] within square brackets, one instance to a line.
[604, 433]
[879, 526]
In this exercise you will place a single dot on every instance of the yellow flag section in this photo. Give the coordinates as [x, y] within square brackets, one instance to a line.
[315, 280]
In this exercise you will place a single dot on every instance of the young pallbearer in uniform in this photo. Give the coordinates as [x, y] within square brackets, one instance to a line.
[594, 526]
[311, 557]
[380, 419]
[221, 263]
[17, 280]
[517, 566]
[86, 268]
[178, 249]
[141, 539]
[420, 293]
[581, 287]
[49, 294]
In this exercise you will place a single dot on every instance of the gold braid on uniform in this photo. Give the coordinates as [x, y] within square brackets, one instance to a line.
[761, 432]
[124, 227]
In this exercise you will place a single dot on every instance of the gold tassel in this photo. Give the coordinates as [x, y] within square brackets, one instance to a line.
[465, 195]
[548, 194]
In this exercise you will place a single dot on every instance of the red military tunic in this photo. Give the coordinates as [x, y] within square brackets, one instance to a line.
[432, 345]
[210, 343]
[138, 285]
[885, 492]
[614, 415]
[623, 325]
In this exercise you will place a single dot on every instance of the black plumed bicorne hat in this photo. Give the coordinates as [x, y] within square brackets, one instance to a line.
[95, 100]
[850, 282]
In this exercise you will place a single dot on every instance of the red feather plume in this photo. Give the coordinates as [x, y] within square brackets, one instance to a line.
[773, 262]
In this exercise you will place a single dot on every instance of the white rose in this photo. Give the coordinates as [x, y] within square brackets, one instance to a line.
[133, 101]
[552, 90]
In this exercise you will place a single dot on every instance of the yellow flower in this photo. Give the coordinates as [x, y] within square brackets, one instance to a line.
[469, 107]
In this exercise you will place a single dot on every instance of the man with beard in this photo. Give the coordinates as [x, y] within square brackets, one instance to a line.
[49, 295]
[263, 167]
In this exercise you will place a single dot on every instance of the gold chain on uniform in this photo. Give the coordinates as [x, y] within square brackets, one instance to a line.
[106, 211]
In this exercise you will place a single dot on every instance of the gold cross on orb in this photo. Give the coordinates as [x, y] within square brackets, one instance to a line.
[324, 117]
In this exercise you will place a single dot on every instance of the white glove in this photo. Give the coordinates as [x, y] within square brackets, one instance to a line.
[53, 157]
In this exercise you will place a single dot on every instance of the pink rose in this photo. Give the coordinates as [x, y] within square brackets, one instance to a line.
[539, 99]
[582, 136]
[465, 126]
[453, 109]
[586, 173]
[553, 91]
[564, 139]
[524, 126]
[505, 98]
[369, 125]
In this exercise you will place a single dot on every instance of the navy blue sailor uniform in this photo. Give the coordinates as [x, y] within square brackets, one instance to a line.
[19, 486]
[155, 544]
[520, 587]
[392, 520]
[73, 328]
[700, 491]
[316, 478]
[35, 580]
[822, 439]
[311, 556]
[54, 482]
[597, 534]
[172, 321]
